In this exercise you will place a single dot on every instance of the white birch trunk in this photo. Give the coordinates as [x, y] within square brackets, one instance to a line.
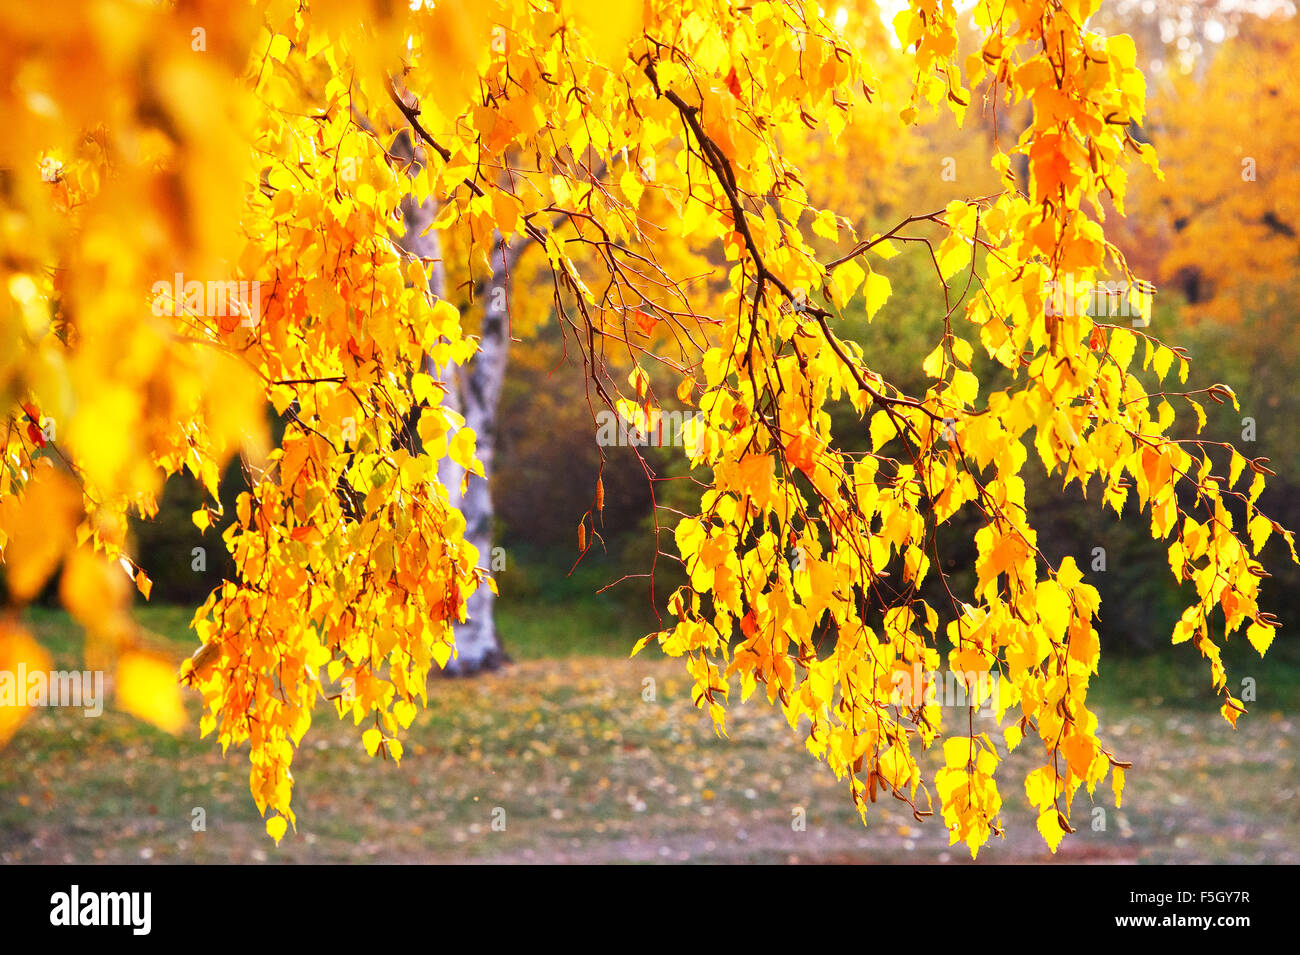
[474, 392]
[478, 395]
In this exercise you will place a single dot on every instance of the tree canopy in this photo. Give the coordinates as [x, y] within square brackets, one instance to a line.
[204, 257]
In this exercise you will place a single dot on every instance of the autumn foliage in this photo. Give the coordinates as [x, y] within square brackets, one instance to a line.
[658, 155]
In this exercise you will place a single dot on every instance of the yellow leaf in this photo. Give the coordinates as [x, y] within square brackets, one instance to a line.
[1122, 345]
[934, 362]
[965, 386]
[1041, 787]
[280, 47]
[1053, 609]
[1079, 751]
[1231, 710]
[878, 291]
[1260, 637]
[755, 475]
[962, 351]
[40, 526]
[1163, 359]
[1013, 734]
[824, 225]
[1260, 528]
[884, 248]
[845, 281]
[147, 688]
[639, 381]
[1049, 825]
[19, 653]
[895, 768]
[462, 450]
[632, 187]
[404, 711]
[882, 429]
[92, 588]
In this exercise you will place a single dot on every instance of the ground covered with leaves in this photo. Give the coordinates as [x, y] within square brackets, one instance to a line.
[572, 763]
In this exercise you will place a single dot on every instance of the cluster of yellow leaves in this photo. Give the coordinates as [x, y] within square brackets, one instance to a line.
[797, 539]
[113, 183]
[637, 145]
[204, 166]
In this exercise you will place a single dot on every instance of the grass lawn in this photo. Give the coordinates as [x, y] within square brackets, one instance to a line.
[563, 748]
